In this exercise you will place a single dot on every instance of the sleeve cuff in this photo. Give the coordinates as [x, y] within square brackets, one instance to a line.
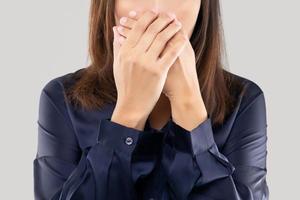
[118, 136]
[143, 147]
[200, 143]
[202, 137]
[196, 141]
[115, 135]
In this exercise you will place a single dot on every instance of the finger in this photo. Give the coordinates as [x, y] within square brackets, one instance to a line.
[139, 28]
[122, 39]
[157, 26]
[116, 42]
[173, 50]
[136, 15]
[162, 39]
[124, 31]
[127, 22]
[133, 14]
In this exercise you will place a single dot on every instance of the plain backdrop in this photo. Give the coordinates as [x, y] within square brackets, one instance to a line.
[40, 40]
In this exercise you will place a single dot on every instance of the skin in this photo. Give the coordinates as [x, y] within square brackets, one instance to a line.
[157, 38]
[186, 13]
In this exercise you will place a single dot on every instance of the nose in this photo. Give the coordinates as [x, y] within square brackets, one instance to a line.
[156, 5]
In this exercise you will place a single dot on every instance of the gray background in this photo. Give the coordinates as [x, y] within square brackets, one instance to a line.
[40, 40]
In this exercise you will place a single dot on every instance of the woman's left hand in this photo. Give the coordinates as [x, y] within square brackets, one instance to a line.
[182, 85]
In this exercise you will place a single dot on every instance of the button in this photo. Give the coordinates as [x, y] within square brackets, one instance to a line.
[129, 141]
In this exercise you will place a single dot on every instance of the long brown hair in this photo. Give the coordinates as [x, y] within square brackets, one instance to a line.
[95, 86]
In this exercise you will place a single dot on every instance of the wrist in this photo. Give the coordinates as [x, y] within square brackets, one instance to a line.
[130, 119]
[188, 112]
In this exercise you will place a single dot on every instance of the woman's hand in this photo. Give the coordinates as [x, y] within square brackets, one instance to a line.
[139, 72]
[182, 85]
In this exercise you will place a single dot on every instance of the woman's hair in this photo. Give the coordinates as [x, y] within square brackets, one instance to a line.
[95, 85]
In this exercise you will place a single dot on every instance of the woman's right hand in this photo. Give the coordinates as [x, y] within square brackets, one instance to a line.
[139, 71]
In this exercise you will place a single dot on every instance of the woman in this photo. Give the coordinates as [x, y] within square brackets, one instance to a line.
[155, 115]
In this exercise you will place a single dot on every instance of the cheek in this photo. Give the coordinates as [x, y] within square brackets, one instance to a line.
[188, 21]
[122, 8]
[188, 14]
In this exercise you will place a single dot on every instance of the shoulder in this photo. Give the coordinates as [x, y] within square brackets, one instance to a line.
[52, 100]
[251, 98]
[53, 114]
[251, 89]
[57, 86]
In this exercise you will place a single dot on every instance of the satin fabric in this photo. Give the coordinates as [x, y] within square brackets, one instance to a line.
[83, 155]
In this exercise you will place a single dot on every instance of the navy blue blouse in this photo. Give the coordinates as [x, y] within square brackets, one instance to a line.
[83, 155]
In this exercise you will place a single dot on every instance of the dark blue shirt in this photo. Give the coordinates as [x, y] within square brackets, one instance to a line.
[83, 155]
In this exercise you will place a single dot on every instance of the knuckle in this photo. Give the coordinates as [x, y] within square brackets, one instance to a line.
[155, 71]
[134, 62]
[130, 59]
[171, 43]
[164, 16]
[137, 62]
[152, 30]
[173, 52]
[178, 40]
[181, 40]
[151, 14]
[161, 37]
[182, 37]
[138, 26]
[127, 61]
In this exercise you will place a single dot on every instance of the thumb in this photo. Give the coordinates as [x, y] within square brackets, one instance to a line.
[116, 43]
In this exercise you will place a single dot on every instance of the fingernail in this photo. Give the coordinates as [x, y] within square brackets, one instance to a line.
[132, 13]
[123, 20]
[177, 22]
[120, 28]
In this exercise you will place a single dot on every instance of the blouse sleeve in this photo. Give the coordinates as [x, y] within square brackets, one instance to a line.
[198, 169]
[111, 167]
